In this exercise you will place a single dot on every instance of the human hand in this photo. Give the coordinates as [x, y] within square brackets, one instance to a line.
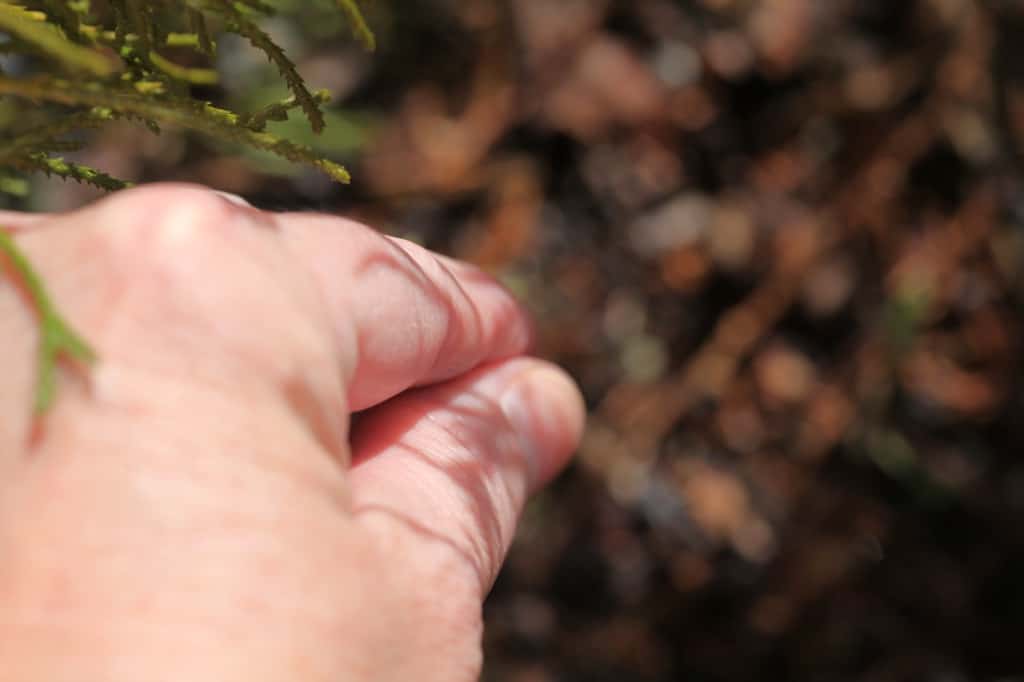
[198, 505]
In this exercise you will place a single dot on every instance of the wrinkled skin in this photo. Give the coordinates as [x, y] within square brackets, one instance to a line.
[199, 504]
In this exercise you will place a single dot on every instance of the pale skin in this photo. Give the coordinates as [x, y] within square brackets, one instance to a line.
[199, 505]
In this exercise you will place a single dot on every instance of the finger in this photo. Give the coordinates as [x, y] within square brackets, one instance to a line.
[455, 462]
[417, 318]
[16, 220]
[234, 199]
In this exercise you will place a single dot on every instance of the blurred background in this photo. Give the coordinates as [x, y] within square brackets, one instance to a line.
[779, 243]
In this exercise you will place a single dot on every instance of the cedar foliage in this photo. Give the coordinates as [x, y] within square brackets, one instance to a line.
[94, 61]
[74, 65]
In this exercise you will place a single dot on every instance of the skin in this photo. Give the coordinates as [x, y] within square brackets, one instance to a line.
[200, 504]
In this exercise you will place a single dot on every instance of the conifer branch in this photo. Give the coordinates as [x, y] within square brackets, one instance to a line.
[46, 136]
[140, 20]
[182, 112]
[238, 22]
[197, 24]
[68, 170]
[360, 29]
[33, 28]
[183, 74]
[58, 338]
[278, 111]
[61, 13]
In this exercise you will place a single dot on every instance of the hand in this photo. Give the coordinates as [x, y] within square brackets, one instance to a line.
[199, 506]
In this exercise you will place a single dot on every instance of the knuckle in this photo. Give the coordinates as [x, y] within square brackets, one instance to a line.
[177, 213]
[154, 230]
[182, 272]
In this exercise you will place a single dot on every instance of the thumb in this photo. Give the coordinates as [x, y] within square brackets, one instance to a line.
[457, 460]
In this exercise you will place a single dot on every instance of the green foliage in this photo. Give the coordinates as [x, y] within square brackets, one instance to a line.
[57, 337]
[75, 65]
[359, 27]
[93, 61]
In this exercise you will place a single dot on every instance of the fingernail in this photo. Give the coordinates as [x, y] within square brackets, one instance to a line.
[234, 199]
[545, 408]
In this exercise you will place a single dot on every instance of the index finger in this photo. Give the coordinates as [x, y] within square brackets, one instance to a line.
[16, 220]
[418, 318]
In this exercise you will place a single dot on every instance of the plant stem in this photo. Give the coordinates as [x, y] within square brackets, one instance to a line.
[56, 335]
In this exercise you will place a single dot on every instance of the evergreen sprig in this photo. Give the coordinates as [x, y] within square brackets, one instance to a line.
[89, 62]
[112, 55]
[58, 339]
